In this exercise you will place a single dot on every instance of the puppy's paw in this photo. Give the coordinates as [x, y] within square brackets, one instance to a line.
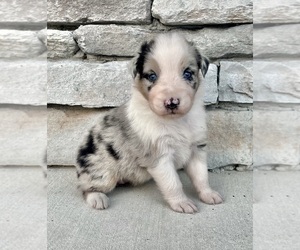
[210, 197]
[184, 206]
[97, 200]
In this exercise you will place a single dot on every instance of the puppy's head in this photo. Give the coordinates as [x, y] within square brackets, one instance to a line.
[167, 72]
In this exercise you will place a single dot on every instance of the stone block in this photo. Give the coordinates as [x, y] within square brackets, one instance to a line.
[276, 81]
[277, 41]
[23, 82]
[60, 44]
[213, 42]
[229, 133]
[81, 11]
[276, 136]
[211, 85]
[276, 11]
[105, 39]
[229, 138]
[236, 81]
[185, 12]
[20, 44]
[23, 135]
[92, 84]
[89, 84]
[20, 11]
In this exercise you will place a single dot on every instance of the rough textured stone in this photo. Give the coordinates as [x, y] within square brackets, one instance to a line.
[230, 135]
[276, 81]
[211, 85]
[20, 11]
[277, 41]
[23, 82]
[236, 82]
[276, 137]
[20, 44]
[60, 44]
[179, 12]
[82, 11]
[92, 84]
[23, 135]
[213, 42]
[89, 84]
[105, 39]
[276, 11]
[229, 138]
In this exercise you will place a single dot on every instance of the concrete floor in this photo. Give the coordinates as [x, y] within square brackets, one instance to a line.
[138, 217]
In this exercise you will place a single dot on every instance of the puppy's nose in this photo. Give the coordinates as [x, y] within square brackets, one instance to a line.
[172, 103]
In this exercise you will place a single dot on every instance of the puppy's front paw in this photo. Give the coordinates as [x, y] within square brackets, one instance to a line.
[210, 197]
[97, 200]
[184, 206]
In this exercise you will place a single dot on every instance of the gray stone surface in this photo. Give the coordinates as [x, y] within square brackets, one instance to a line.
[105, 39]
[211, 85]
[276, 137]
[139, 218]
[20, 44]
[23, 82]
[236, 81]
[20, 11]
[202, 12]
[88, 83]
[230, 135]
[277, 41]
[276, 81]
[276, 214]
[23, 208]
[115, 11]
[213, 42]
[229, 138]
[23, 135]
[60, 44]
[276, 11]
[92, 84]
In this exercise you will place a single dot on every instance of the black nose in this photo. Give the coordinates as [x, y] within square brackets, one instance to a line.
[172, 103]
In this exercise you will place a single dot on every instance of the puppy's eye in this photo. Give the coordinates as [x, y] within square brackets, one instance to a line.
[152, 77]
[188, 75]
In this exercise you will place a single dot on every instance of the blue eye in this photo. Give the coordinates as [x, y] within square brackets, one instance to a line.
[152, 77]
[187, 75]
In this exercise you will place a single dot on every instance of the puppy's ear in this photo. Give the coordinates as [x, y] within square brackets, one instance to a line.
[203, 62]
[137, 63]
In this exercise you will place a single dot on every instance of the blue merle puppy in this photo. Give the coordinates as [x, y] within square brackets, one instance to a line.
[159, 130]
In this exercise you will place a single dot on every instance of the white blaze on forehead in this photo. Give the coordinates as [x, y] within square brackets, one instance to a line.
[172, 52]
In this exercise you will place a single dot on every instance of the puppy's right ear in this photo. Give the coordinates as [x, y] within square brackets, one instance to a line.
[137, 63]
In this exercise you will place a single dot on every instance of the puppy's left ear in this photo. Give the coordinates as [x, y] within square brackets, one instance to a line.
[203, 62]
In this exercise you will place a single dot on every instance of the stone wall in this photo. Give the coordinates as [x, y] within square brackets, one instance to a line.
[90, 44]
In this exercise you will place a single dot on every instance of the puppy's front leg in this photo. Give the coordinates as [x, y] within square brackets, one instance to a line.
[169, 184]
[197, 171]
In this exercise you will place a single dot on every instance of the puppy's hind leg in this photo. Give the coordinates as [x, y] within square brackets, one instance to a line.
[95, 187]
[197, 171]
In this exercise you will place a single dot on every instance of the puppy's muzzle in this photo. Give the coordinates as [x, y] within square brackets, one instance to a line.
[172, 103]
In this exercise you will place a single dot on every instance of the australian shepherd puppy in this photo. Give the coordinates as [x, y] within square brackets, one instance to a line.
[159, 130]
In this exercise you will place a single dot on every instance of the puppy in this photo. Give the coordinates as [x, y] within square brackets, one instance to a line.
[161, 129]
